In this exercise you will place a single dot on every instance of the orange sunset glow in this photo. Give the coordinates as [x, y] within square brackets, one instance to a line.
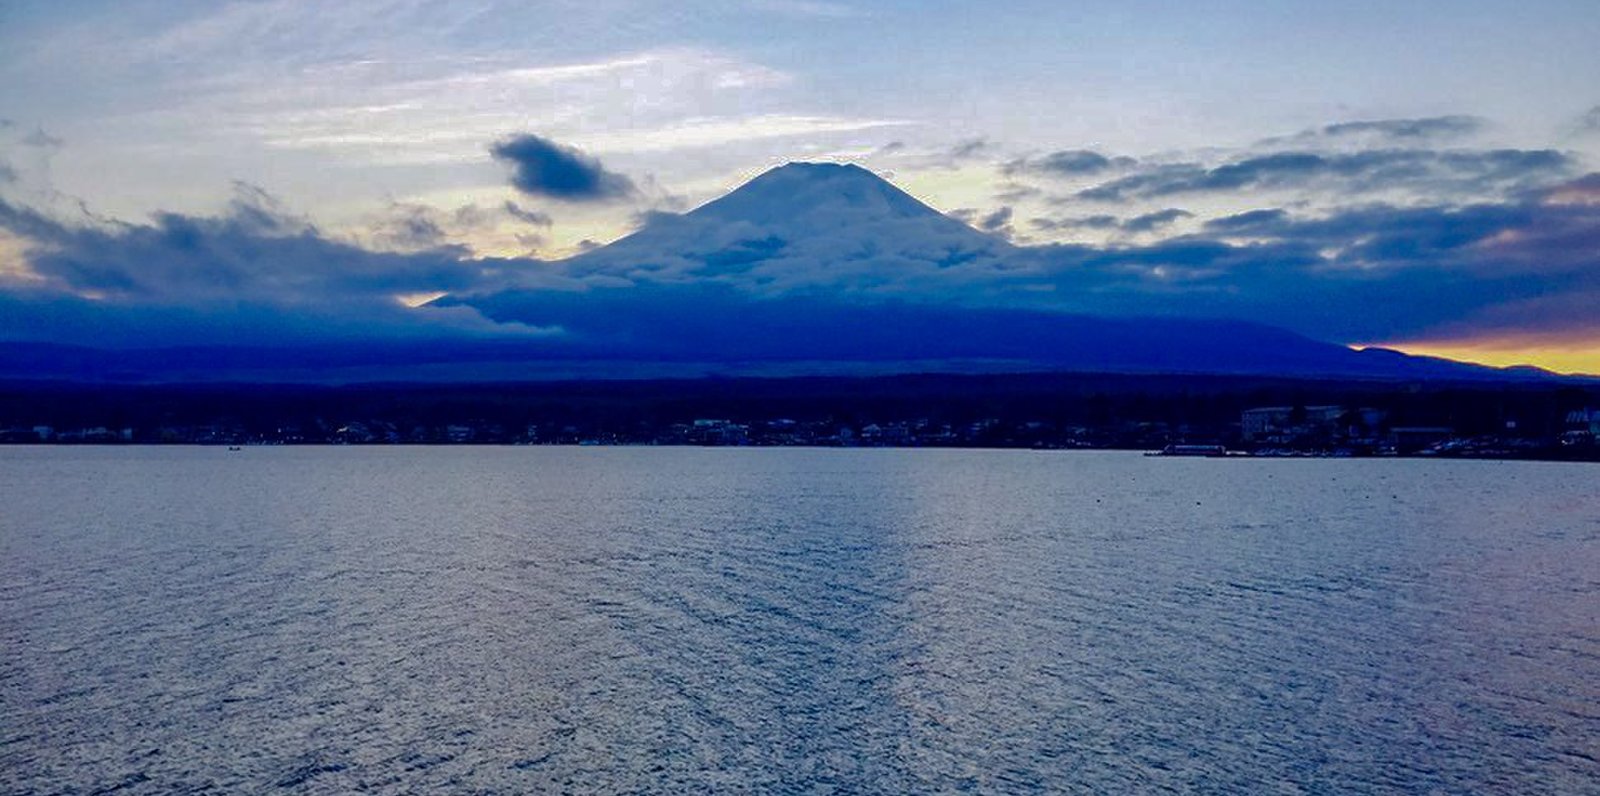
[1570, 356]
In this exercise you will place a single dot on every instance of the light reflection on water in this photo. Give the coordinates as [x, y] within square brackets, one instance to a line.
[649, 620]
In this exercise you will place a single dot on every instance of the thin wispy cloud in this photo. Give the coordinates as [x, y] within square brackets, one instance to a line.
[1449, 172]
[815, 9]
[1589, 123]
[1068, 162]
[1425, 131]
[711, 132]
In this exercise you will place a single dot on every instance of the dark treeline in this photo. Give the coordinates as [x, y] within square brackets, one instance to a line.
[1105, 410]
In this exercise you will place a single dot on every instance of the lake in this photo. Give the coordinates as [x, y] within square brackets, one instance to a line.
[619, 620]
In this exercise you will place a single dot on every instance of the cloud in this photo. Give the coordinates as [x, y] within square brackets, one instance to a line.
[252, 273]
[530, 242]
[409, 110]
[1378, 272]
[1016, 192]
[704, 132]
[1148, 222]
[1152, 221]
[411, 227]
[1388, 132]
[1584, 190]
[1068, 162]
[1362, 273]
[43, 140]
[1098, 221]
[1408, 128]
[535, 217]
[1533, 238]
[970, 148]
[1589, 122]
[806, 9]
[1247, 220]
[253, 250]
[1438, 171]
[541, 167]
[996, 220]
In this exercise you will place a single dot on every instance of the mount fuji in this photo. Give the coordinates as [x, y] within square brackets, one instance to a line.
[823, 267]
[796, 225]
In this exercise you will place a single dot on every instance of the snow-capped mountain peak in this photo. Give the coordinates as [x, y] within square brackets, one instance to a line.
[796, 224]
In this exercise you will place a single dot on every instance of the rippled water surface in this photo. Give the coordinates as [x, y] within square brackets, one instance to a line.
[508, 620]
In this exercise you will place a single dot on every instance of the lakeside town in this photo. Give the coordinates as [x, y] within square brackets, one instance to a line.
[1276, 431]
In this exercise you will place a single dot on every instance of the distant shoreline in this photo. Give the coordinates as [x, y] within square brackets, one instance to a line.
[1581, 457]
[1282, 417]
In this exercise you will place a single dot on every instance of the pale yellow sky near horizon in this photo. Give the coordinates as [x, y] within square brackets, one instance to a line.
[1576, 358]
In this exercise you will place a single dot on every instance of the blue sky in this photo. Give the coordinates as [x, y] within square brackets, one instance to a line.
[372, 122]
